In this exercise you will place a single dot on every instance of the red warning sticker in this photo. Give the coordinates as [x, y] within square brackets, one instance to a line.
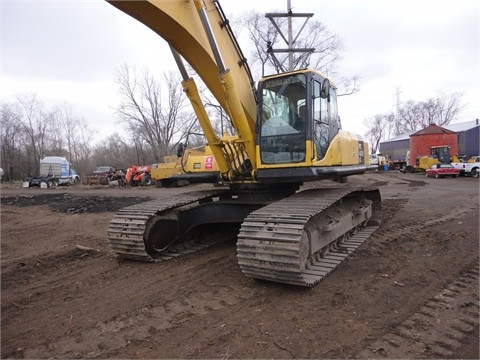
[209, 163]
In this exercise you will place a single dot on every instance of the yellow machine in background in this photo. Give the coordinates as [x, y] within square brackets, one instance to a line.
[191, 166]
[288, 132]
[438, 154]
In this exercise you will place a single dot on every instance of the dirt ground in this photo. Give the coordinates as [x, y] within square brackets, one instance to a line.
[410, 291]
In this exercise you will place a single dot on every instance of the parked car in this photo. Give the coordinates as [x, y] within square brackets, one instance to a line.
[101, 176]
[442, 170]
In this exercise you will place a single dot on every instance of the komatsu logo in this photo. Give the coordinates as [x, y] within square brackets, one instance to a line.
[273, 83]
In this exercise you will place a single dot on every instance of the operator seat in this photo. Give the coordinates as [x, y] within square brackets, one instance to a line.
[300, 122]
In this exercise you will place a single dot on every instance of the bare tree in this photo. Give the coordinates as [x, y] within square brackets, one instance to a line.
[260, 33]
[114, 151]
[160, 121]
[29, 132]
[325, 46]
[56, 140]
[413, 116]
[440, 111]
[9, 139]
[68, 122]
[77, 137]
[81, 144]
[35, 127]
[378, 129]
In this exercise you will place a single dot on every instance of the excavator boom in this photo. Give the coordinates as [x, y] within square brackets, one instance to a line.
[179, 23]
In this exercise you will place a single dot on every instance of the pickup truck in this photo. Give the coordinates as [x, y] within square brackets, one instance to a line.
[101, 176]
[468, 168]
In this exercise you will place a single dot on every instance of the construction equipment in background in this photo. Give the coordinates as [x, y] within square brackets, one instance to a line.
[473, 159]
[139, 175]
[438, 154]
[469, 167]
[191, 165]
[286, 234]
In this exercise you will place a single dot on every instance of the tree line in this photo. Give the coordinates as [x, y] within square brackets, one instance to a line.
[157, 116]
[156, 124]
[412, 116]
[30, 131]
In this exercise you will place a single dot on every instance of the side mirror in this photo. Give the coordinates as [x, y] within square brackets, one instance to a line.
[325, 93]
[180, 150]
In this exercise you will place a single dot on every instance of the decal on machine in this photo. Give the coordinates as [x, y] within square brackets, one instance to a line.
[209, 162]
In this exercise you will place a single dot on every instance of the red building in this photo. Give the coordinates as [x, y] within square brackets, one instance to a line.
[432, 135]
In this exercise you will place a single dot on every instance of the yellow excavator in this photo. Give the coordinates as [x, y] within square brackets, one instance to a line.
[288, 132]
[189, 166]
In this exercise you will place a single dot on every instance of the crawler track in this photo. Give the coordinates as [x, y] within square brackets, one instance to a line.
[128, 230]
[296, 240]
[274, 242]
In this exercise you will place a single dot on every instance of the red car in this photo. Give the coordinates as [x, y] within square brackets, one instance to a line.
[441, 170]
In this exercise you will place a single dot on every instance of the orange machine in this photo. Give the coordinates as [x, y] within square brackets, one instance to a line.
[139, 175]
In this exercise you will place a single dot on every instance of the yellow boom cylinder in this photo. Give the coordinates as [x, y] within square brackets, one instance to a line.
[192, 93]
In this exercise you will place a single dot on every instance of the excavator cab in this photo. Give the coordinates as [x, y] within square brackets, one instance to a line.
[303, 97]
[442, 153]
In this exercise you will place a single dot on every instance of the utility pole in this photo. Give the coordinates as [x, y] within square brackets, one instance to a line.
[290, 36]
[397, 95]
[289, 39]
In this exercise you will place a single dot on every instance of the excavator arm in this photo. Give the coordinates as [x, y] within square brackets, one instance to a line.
[199, 32]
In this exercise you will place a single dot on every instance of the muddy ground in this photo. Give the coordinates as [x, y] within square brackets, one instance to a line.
[411, 291]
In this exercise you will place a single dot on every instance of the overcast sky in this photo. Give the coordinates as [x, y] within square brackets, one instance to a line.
[69, 51]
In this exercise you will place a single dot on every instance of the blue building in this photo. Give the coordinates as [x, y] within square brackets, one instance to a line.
[468, 137]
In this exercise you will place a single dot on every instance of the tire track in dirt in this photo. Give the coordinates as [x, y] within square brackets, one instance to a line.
[128, 279]
[441, 326]
[394, 230]
[154, 311]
